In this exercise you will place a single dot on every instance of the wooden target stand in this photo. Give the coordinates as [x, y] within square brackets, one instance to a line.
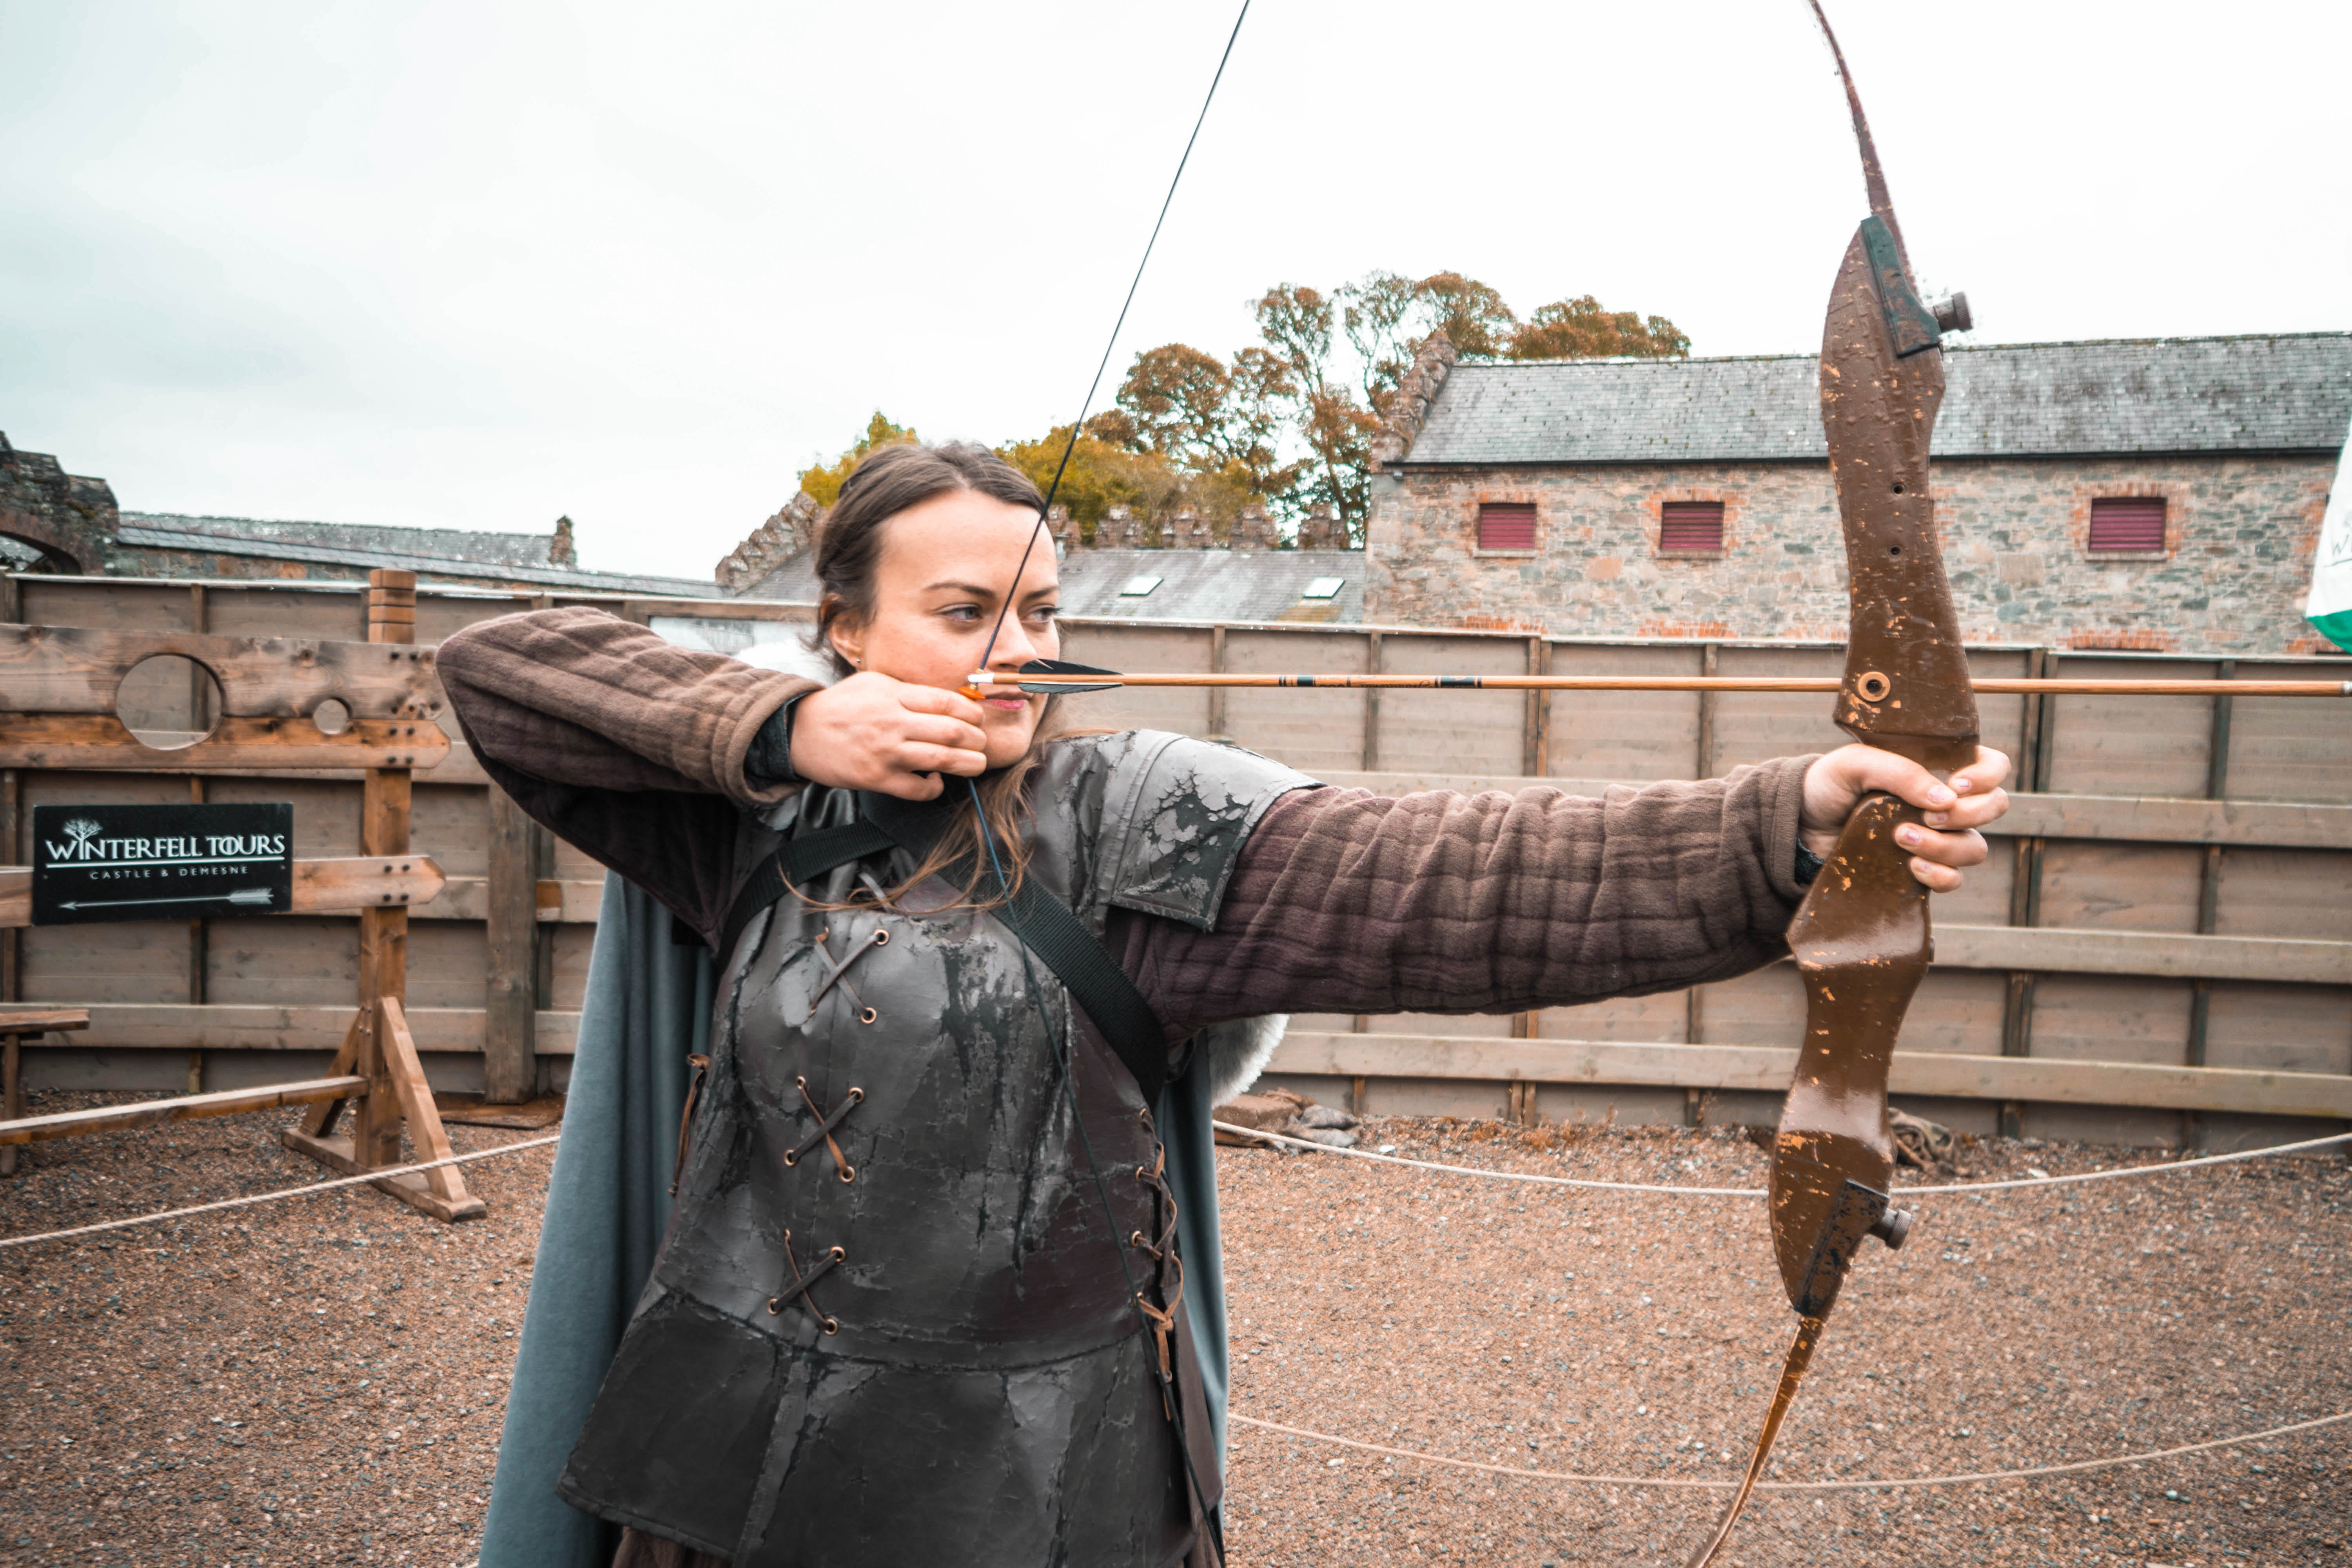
[57, 711]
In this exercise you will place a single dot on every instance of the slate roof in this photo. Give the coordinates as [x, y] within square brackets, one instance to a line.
[1196, 584]
[2286, 392]
[434, 553]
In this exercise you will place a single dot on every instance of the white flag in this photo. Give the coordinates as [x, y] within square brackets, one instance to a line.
[2330, 607]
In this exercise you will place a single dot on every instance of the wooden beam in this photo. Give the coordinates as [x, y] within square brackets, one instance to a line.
[73, 669]
[2156, 954]
[265, 1027]
[100, 741]
[340, 884]
[2153, 819]
[30, 1019]
[424, 1118]
[182, 1108]
[1768, 1069]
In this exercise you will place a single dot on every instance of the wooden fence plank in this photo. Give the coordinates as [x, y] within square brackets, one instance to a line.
[68, 669]
[100, 743]
[263, 1026]
[2149, 820]
[321, 887]
[1768, 1069]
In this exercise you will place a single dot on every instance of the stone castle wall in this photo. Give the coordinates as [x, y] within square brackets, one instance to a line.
[2240, 531]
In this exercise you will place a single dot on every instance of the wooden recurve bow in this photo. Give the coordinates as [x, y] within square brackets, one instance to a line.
[1861, 938]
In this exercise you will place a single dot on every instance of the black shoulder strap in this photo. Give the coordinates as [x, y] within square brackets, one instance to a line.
[1046, 926]
[803, 860]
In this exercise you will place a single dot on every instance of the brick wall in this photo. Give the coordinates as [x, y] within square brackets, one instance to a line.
[2240, 531]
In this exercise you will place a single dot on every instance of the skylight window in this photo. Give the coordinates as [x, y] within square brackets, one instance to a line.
[1136, 587]
[1324, 588]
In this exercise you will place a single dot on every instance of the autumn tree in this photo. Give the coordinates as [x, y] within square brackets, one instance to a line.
[823, 481]
[1580, 329]
[1198, 413]
[1112, 465]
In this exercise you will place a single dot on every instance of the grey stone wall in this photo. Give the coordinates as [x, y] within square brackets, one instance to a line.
[2232, 578]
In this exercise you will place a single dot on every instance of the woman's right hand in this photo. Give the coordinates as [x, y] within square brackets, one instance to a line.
[873, 732]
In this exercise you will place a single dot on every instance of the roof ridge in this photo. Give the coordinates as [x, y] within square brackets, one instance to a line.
[1475, 364]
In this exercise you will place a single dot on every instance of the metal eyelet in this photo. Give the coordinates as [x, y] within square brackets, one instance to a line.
[790, 1159]
[1136, 1239]
[881, 938]
[856, 1094]
[774, 1311]
[837, 1254]
[848, 1175]
[866, 1014]
[830, 1325]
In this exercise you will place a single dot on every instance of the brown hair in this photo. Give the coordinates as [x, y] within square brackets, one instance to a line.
[849, 550]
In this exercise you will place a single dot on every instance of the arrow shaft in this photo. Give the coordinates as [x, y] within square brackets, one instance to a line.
[1994, 686]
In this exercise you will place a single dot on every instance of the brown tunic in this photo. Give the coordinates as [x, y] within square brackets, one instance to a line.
[1344, 901]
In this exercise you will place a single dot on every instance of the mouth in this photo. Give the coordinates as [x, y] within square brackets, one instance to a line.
[1006, 704]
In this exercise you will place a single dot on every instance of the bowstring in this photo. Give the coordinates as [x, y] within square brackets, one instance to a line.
[1054, 1044]
[1078, 425]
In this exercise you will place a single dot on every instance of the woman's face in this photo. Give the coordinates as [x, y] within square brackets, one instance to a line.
[944, 568]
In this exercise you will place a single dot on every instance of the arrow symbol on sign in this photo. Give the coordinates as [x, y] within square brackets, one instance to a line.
[242, 896]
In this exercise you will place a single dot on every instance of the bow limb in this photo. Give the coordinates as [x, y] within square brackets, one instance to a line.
[1860, 939]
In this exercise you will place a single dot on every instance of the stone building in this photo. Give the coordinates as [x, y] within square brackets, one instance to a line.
[2161, 495]
[51, 521]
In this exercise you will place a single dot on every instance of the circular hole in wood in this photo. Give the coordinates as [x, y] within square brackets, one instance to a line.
[332, 716]
[1872, 686]
[168, 702]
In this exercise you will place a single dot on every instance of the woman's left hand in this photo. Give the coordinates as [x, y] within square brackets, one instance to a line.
[1955, 811]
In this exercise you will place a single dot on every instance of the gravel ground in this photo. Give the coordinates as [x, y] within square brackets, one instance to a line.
[321, 1380]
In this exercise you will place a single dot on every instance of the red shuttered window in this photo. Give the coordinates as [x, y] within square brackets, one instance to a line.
[1690, 525]
[1506, 525]
[2128, 522]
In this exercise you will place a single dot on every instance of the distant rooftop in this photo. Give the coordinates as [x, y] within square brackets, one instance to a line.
[1191, 585]
[2285, 393]
[431, 552]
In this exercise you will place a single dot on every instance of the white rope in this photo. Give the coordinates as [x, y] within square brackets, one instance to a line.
[2165, 1168]
[249, 1201]
[1886, 1484]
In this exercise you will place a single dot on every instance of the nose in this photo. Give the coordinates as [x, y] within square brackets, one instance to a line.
[1014, 647]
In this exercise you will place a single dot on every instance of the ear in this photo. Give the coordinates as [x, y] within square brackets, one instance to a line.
[848, 640]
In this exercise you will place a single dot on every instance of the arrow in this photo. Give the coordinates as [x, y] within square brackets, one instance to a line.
[1047, 678]
[242, 896]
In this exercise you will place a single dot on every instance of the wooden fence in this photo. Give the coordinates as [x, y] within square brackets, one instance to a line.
[2160, 950]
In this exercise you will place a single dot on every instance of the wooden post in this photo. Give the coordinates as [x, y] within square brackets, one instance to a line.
[1707, 661]
[200, 718]
[1373, 707]
[509, 1064]
[12, 985]
[2032, 765]
[1535, 747]
[383, 932]
[378, 1049]
[2209, 893]
[1216, 731]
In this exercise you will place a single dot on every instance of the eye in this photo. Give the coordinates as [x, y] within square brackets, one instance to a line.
[968, 614]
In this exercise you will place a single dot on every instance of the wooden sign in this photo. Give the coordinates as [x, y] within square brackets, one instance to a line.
[93, 863]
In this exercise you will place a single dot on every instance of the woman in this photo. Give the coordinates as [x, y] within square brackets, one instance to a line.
[920, 1299]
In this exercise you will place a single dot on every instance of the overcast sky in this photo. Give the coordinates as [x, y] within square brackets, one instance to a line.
[476, 265]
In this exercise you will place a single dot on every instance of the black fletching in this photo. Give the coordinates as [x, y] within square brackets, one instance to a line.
[1062, 666]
